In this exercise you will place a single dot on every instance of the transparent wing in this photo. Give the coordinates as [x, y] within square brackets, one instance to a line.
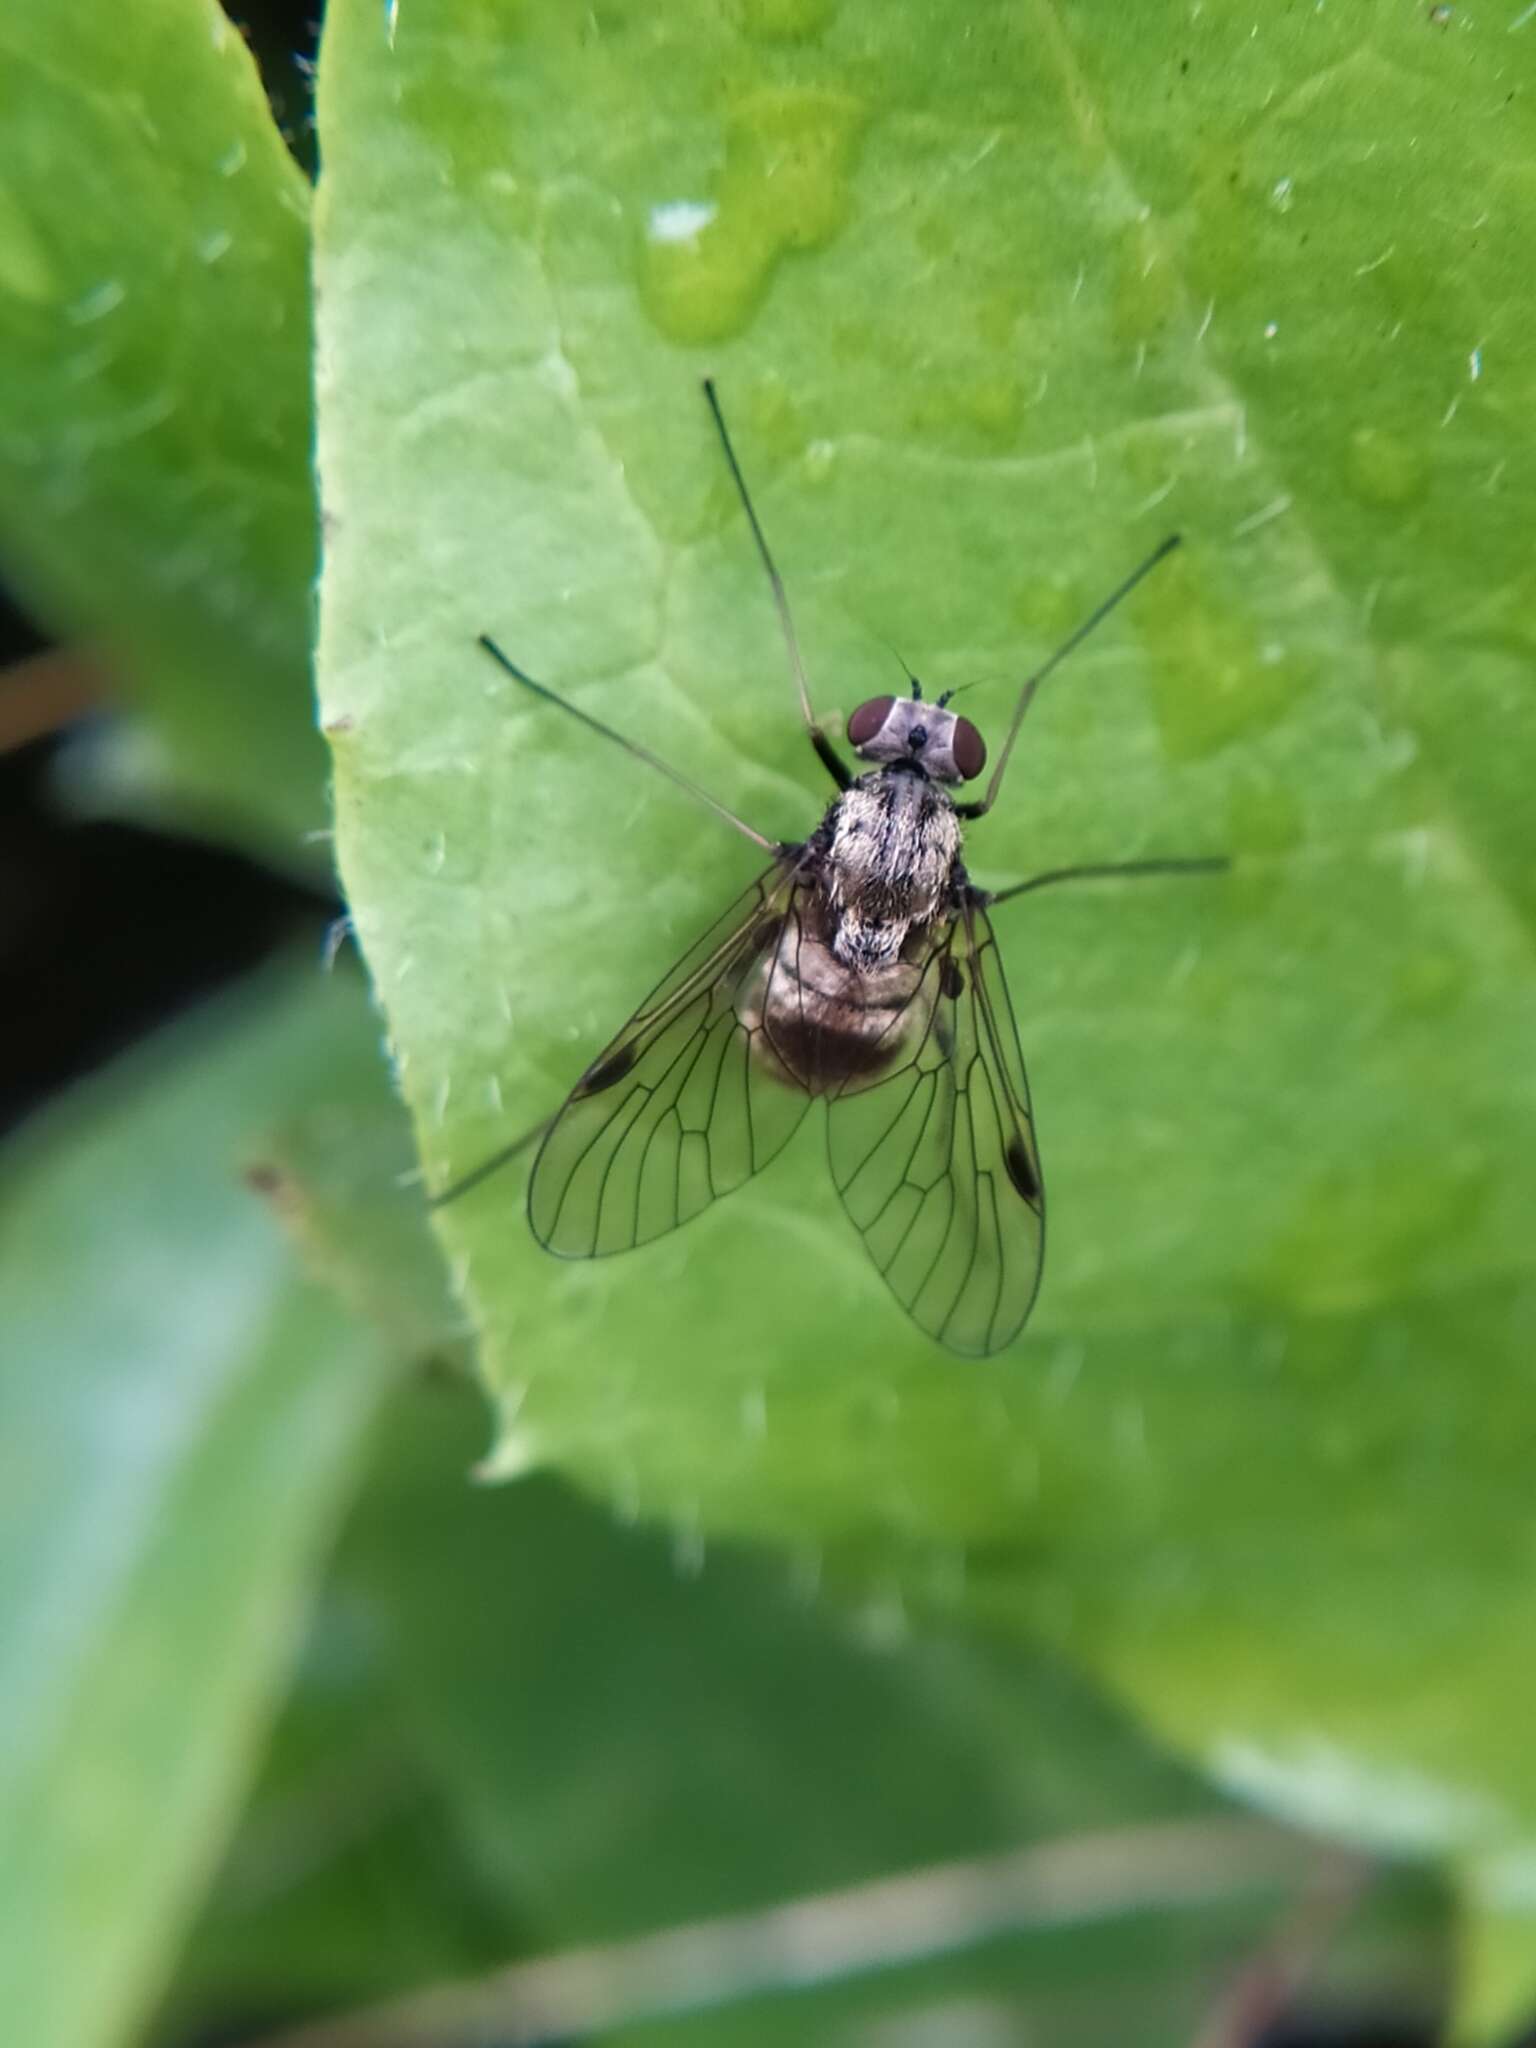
[935, 1159]
[685, 1104]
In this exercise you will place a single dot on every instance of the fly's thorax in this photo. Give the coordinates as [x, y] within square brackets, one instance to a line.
[890, 862]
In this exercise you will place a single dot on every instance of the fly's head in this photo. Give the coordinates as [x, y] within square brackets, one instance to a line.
[923, 735]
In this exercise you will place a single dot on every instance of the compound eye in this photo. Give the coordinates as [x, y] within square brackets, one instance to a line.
[868, 719]
[969, 750]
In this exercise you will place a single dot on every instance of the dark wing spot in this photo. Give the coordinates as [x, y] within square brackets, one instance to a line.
[1021, 1170]
[952, 978]
[605, 1072]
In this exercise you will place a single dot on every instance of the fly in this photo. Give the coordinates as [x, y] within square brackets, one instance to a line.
[860, 968]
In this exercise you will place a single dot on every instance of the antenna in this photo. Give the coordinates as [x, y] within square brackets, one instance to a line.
[900, 659]
[1032, 683]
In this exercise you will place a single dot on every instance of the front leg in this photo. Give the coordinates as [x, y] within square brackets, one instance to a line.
[1108, 871]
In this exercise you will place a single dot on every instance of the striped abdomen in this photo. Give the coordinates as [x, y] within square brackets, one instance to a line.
[828, 1024]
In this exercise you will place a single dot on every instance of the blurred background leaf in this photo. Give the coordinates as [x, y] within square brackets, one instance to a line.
[519, 1729]
[155, 492]
[181, 1417]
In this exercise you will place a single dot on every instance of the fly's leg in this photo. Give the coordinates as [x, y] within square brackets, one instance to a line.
[630, 746]
[1107, 871]
[487, 1167]
[1100, 612]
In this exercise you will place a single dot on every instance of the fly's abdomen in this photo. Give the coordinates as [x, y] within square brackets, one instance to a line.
[826, 1025]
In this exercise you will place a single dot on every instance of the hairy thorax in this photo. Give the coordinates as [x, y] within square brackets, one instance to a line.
[894, 842]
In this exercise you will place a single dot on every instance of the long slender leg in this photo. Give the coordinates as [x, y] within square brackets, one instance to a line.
[1125, 870]
[630, 746]
[487, 1167]
[833, 762]
[1032, 683]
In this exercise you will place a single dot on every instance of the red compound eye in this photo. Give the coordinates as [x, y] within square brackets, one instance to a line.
[969, 750]
[868, 719]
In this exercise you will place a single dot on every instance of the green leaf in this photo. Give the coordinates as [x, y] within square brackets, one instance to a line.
[632, 1741]
[1154, 1977]
[341, 1174]
[180, 1416]
[154, 399]
[990, 313]
[583, 1744]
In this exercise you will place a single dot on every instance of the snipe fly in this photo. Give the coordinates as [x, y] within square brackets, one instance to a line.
[860, 968]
